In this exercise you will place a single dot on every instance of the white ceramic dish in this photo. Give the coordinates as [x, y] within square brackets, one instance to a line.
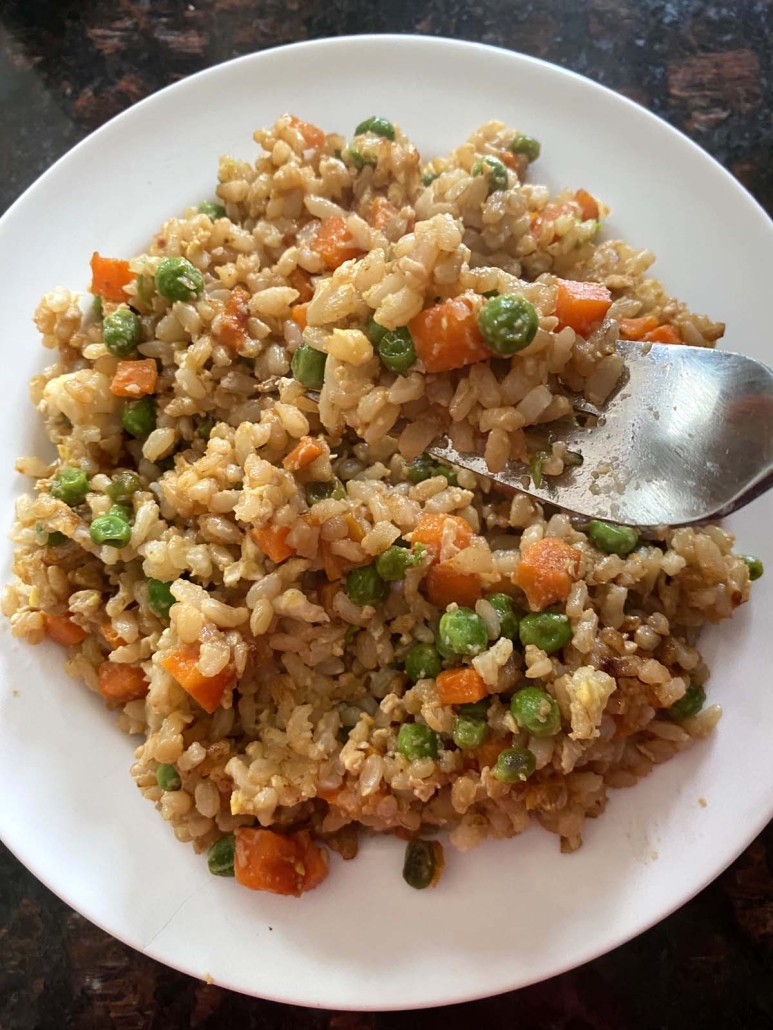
[509, 913]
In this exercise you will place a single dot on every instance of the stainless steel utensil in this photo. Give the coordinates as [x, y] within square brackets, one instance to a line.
[687, 436]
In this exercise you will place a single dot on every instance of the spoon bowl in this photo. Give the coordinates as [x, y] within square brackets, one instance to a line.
[686, 437]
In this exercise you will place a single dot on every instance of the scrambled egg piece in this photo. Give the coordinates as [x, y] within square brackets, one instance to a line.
[588, 691]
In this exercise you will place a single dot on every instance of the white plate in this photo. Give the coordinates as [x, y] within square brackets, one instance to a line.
[509, 913]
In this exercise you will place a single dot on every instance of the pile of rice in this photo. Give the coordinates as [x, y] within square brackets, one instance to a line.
[305, 736]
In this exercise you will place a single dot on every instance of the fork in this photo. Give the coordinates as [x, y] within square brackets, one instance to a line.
[687, 436]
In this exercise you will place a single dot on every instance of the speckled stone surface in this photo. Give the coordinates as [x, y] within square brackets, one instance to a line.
[68, 65]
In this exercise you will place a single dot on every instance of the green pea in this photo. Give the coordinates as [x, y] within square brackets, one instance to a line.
[689, 704]
[396, 350]
[422, 663]
[755, 566]
[110, 529]
[536, 712]
[393, 563]
[121, 332]
[526, 145]
[508, 323]
[508, 619]
[168, 777]
[427, 178]
[494, 169]
[178, 279]
[355, 157]
[415, 740]
[139, 417]
[375, 332]
[420, 468]
[220, 857]
[535, 467]
[612, 539]
[463, 632]
[424, 467]
[97, 306]
[46, 539]
[443, 650]
[352, 156]
[573, 459]
[378, 126]
[333, 488]
[213, 211]
[547, 630]
[308, 366]
[365, 586]
[160, 597]
[145, 287]
[469, 733]
[423, 860]
[122, 511]
[70, 485]
[123, 487]
[514, 765]
[205, 427]
[475, 709]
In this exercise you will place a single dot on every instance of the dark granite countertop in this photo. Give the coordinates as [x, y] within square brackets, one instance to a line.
[68, 65]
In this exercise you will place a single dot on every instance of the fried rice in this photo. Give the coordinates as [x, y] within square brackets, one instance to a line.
[268, 693]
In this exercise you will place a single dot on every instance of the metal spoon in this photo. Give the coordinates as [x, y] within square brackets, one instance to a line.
[686, 437]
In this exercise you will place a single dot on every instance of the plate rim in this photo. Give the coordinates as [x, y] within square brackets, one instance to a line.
[93, 140]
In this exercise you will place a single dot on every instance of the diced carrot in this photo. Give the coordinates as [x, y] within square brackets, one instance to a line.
[546, 572]
[109, 276]
[331, 562]
[488, 752]
[582, 206]
[182, 664]
[299, 314]
[460, 686]
[334, 243]
[271, 540]
[63, 630]
[431, 527]
[382, 213]
[282, 864]
[233, 324]
[329, 794]
[581, 305]
[304, 452]
[446, 336]
[588, 206]
[637, 328]
[312, 136]
[134, 378]
[356, 530]
[122, 683]
[300, 280]
[113, 638]
[445, 585]
[549, 213]
[663, 334]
